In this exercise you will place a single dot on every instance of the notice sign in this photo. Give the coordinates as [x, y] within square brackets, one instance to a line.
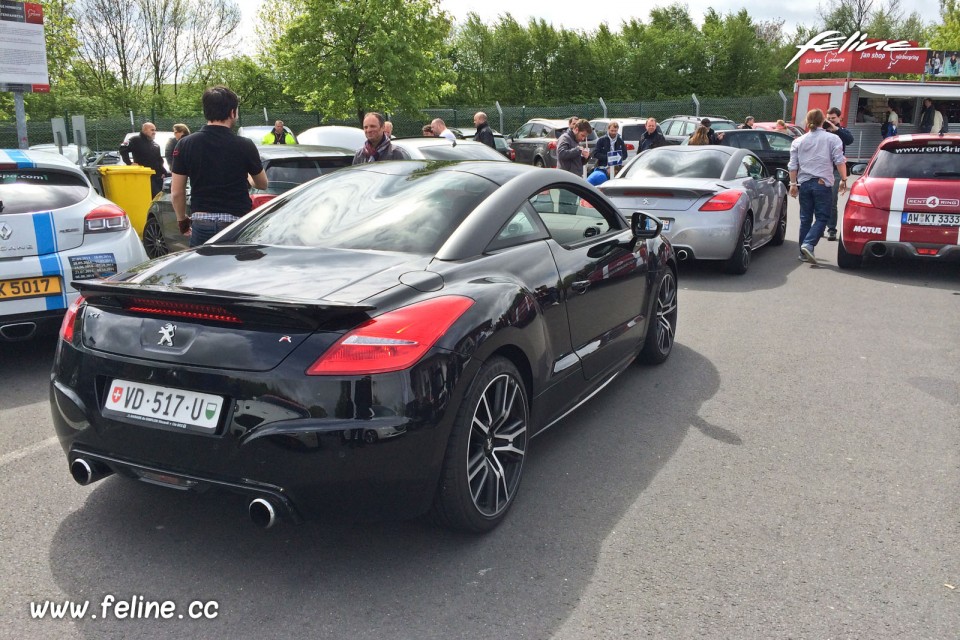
[23, 50]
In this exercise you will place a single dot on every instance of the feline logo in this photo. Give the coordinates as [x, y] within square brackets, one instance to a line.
[863, 229]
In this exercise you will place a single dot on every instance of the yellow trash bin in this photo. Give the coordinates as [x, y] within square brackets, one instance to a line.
[129, 187]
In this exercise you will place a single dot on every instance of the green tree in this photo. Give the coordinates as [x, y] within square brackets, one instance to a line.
[947, 34]
[346, 58]
[472, 47]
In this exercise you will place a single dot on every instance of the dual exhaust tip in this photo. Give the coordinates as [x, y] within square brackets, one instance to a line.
[262, 511]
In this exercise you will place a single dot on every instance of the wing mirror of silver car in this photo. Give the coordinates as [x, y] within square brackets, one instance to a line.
[645, 226]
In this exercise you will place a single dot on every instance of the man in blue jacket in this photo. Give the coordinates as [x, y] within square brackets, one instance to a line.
[832, 125]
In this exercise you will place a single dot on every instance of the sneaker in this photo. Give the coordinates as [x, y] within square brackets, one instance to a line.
[832, 235]
[807, 252]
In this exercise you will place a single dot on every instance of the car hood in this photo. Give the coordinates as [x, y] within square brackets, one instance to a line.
[295, 273]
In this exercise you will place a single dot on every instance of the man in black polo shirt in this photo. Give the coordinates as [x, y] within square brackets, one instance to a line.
[219, 165]
[146, 153]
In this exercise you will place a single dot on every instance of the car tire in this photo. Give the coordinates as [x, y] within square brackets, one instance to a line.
[662, 330]
[846, 260]
[739, 262]
[538, 162]
[484, 458]
[153, 241]
[780, 233]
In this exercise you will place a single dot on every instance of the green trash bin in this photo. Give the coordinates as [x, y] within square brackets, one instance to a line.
[129, 187]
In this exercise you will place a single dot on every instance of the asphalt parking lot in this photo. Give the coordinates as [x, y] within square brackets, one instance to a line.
[792, 471]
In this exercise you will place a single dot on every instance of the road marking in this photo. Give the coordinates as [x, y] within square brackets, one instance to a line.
[13, 456]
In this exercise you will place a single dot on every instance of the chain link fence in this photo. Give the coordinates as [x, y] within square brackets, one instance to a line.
[106, 133]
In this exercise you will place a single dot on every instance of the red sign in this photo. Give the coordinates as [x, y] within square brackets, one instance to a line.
[870, 60]
[32, 13]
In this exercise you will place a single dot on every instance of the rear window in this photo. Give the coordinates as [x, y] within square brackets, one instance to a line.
[722, 126]
[633, 131]
[32, 190]
[931, 161]
[460, 152]
[286, 174]
[369, 210]
[666, 162]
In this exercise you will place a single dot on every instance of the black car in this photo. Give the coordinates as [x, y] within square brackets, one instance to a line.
[772, 147]
[384, 340]
[676, 129]
[499, 141]
[286, 166]
[536, 142]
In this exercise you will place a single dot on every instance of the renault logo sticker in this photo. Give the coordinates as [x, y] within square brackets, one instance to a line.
[5, 231]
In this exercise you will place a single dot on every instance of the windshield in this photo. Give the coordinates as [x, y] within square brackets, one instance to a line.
[935, 160]
[722, 126]
[368, 210]
[666, 162]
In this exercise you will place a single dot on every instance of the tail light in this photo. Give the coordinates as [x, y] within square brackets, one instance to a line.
[552, 145]
[859, 195]
[630, 146]
[106, 218]
[513, 155]
[259, 198]
[723, 201]
[190, 310]
[393, 341]
[70, 319]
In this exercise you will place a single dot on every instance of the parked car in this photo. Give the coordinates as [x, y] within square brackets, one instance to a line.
[630, 130]
[906, 204]
[384, 340]
[443, 149]
[772, 147]
[676, 129]
[500, 142]
[333, 136]
[68, 151]
[536, 141]
[54, 231]
[256, 132]
[287, 166]
[792, 129]
[715, 202]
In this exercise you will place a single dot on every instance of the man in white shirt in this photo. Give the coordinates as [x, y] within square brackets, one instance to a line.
[440, 129]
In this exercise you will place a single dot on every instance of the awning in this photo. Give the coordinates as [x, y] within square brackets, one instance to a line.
[938, 91]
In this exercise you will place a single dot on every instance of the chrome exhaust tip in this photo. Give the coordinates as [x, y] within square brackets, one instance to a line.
[682, 254]
[85, 472]
[18, 331]
[262, 513]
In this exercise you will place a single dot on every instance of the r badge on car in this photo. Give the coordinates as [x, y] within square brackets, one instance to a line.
[5, 231]
[167, 332]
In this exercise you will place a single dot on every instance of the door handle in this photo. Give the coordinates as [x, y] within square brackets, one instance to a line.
[580, 286]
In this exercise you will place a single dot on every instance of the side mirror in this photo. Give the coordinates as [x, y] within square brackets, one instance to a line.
[166, 185]
[783, 176]
[645, 226]
[858, 169]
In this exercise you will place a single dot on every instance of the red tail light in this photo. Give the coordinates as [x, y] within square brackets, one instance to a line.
[723, 201]
[106, 218]
[182, 310]
[393, 341]
[513, 155]
[552, 145]
[70, 319]
[259, 198]
[630, 146]
[859, 195]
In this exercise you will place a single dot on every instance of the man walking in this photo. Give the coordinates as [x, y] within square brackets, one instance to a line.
[378, 146]
[440, 130]
[833, 125]
[570, 156]
[220, 166]
[484, 133]
[812, 159]
[146, 153]
[278, 135]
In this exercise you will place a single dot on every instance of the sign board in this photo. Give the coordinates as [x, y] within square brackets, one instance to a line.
[79, 131]
[614, 159]
[868, 61]
[59, 131]
[23, 50]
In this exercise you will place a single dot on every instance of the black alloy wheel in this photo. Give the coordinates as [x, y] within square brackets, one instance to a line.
[488, 444]
[663, 323]
[153, 241]
[780, 234]
[739, 262]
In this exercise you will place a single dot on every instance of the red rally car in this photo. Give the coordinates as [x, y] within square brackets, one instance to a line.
[906, 204]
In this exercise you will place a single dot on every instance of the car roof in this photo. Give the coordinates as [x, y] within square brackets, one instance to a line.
[429, 141]
[556, 124]
[35, 159]
[699, 118]
[630, 120]
[279, 151]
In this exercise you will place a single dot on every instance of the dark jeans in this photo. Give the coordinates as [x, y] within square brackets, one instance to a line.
[832, 222]
[203, 230]
[814, 204]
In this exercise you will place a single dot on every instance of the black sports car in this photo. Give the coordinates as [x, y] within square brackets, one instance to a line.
[384, 340]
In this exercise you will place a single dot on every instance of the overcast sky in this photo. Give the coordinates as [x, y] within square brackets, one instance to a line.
[588, 16]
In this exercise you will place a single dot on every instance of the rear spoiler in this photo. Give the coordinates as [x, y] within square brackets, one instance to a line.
[222, 306]
[627, 191]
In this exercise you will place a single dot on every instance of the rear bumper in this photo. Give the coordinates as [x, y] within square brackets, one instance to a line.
[925, 251]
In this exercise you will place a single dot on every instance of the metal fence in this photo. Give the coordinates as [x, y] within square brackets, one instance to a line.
[107, 133]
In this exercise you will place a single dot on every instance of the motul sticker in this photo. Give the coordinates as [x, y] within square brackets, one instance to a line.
[933, 202]
[862, 229]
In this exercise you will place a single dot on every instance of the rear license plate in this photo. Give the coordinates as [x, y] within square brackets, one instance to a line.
[162, 406]
[931, 219]
[30, 287]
